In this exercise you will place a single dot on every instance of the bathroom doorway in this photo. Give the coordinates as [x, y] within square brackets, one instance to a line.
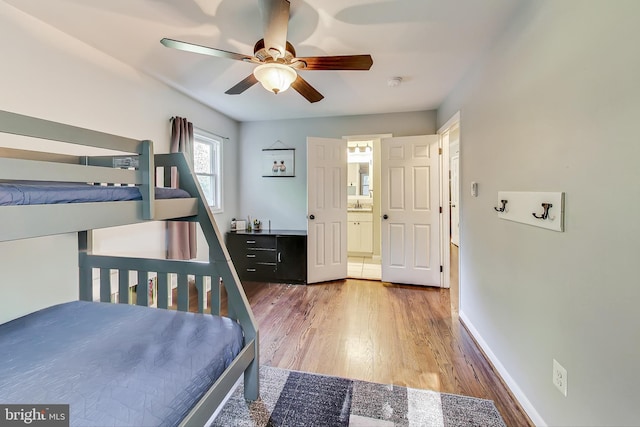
[363, 208]
[367, 262]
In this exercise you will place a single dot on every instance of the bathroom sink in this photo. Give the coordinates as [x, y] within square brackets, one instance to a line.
[359, 209]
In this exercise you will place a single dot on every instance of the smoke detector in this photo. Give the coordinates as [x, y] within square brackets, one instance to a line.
[394, 81]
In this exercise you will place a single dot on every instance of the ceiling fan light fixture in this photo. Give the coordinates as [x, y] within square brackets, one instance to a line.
[275, 77]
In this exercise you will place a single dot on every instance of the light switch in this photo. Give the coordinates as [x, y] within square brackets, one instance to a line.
[474, 189]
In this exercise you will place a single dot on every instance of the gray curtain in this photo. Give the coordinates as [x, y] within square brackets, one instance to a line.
[181, 236]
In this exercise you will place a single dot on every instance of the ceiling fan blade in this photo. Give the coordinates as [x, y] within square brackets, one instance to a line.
[245, 84]
[275, 18]
[306, 90]
[345, 62]
[204, 50]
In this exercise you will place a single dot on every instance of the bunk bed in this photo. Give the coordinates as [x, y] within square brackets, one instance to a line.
[118, 363]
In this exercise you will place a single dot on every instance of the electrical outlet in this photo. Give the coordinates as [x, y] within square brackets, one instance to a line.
[560, 377]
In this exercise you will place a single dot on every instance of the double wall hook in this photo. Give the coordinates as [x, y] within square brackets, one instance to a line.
[503, 207]
[545, 213]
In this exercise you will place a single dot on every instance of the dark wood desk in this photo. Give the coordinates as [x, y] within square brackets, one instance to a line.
[269, 256]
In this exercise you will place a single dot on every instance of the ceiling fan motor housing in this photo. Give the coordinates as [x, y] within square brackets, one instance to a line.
[263, 54]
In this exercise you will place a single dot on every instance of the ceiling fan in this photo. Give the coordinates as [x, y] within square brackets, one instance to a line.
[276, 58]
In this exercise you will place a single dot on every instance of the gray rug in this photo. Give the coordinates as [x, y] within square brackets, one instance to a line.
[290, 398]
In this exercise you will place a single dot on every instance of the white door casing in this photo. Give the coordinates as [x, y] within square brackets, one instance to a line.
[326, 209]
[410, 201]
[455, 199]
[449, 139]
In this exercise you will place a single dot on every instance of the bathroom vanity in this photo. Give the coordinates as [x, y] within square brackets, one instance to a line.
[359, 231]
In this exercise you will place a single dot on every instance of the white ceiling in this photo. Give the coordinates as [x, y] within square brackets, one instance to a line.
[429, 43]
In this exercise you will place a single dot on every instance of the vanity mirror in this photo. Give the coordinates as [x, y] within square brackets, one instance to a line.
[359, 180]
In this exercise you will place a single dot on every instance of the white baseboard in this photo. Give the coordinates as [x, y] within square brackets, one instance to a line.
[509, 381]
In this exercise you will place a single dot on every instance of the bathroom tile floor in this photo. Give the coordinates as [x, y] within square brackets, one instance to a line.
[363, 268]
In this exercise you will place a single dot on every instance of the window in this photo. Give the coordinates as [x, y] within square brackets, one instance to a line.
[207, 164]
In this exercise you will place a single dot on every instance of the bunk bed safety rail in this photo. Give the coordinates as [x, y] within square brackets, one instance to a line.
[16, 165]
[144, 270]
[19, 124]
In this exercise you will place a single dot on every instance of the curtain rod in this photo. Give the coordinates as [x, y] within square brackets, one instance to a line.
[204, 130]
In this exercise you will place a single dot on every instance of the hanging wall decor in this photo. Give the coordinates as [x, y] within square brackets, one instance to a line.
[278, 162]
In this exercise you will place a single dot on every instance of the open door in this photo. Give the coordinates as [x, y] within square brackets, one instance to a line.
[326, 209]
[410, 210]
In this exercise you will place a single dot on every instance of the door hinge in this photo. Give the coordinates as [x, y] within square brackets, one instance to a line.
[441, 269]
[439, 150]
[440, 209]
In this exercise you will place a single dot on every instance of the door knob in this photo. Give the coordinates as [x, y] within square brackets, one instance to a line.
[312, 216]
[385, 216]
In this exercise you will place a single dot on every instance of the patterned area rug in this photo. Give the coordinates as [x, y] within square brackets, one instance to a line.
[290, 398]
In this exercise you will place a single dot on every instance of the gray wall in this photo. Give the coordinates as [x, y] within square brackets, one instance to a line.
[284, 200]
[48, 74]
[555, 107]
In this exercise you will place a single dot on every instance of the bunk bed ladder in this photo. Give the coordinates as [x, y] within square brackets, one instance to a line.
[218, 257]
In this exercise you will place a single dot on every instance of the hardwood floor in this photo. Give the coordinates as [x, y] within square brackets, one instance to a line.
[376, 331]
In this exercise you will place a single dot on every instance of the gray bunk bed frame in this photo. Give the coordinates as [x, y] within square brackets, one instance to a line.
[26, 222]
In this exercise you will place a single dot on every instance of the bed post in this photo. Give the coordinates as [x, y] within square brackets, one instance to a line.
[251, 374]
[148, 171]
[85, 279]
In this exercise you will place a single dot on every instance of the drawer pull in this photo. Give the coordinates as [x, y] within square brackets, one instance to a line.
[251, 270]
[251, 241]
[251, 256]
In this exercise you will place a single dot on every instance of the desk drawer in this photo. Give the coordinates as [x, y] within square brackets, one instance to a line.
[253, 255]
[264, 242]
[258, 272]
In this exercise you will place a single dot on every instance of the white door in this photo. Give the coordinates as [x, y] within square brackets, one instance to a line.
[326, 209]
[410, 210]
[455, 199]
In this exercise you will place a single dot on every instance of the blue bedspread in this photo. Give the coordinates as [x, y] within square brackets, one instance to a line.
[49, 193]
[115, 364]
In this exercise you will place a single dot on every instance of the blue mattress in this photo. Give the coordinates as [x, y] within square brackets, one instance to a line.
[115, 364]
[49, 193]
